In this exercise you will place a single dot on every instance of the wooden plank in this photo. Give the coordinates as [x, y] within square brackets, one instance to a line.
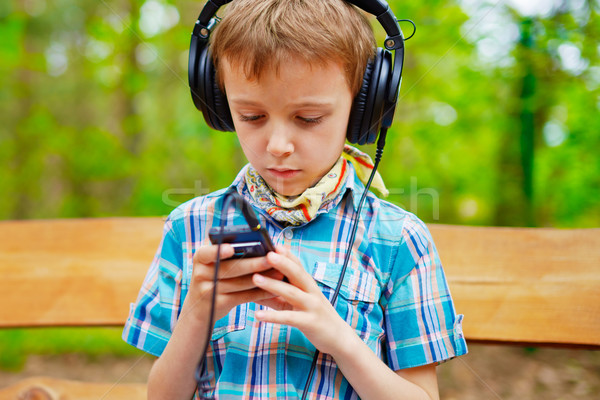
[524, 285]
[73, 271]
[62, 389]
[512, 284]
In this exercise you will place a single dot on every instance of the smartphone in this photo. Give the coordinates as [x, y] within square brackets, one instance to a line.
[245, 242]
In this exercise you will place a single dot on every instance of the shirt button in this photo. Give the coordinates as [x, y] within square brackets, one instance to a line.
[288, 234]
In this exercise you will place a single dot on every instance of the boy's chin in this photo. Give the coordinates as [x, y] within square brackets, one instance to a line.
[287, 192]
[291, 189]
[282, 188]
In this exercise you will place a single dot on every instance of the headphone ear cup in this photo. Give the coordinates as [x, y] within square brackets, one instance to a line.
[221, 109]
[194, 61]
[206, 93]
[368, 106]
[217, 106]
[359, 103]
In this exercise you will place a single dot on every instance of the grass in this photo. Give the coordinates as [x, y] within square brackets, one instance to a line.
[17, 344]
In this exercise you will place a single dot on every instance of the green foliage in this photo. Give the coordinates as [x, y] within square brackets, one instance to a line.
[97, 118]
[15, 344]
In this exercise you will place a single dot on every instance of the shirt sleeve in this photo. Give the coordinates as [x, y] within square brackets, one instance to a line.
[153, 316]
[421, 324]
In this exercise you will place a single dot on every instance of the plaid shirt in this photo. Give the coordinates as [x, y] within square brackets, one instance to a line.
[394, 295]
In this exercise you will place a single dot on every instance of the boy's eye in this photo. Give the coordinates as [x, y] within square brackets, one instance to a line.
[250, 117]
[310, 120]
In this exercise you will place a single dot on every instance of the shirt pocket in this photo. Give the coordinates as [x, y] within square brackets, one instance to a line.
[358, 300]
[232, 322]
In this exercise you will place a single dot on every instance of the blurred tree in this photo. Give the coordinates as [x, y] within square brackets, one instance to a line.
[97, 118]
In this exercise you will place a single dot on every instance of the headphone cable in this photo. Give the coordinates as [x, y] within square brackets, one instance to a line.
[378, 155]
[202, 378]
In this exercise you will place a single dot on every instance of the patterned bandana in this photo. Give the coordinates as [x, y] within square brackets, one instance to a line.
[363, 165]
[297, 210]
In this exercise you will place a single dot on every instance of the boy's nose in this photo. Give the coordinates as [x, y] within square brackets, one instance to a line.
[280, 143]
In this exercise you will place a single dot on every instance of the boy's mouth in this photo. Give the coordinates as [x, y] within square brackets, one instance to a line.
[284, 173]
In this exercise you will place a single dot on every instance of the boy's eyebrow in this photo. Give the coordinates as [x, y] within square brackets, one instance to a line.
[320, 104]
[304, 103]
[242, 101]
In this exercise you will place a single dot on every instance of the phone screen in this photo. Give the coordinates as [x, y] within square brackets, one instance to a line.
[246, 242]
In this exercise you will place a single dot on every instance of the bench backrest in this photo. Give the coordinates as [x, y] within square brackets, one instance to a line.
[523, 285]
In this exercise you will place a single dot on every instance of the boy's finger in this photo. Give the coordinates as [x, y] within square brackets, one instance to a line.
[252, 295]
[236, 285]
[287, 252]
[208, 254]
[279, 317]
[245, 282]
[273, 274]
[296, 297]
[276, 303]
[292, 268]
[243, 266]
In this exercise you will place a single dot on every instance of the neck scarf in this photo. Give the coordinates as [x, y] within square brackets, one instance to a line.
[326, 194]
[363, 165]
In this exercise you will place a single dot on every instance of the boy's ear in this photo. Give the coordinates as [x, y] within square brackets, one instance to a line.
[206, 94]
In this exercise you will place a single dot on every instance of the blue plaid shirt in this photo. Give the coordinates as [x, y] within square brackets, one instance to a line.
[394, 295]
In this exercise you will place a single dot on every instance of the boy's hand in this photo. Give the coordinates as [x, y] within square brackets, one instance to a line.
[235, 284]
[300, 303]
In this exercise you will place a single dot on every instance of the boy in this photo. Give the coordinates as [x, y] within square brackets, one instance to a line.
[290, 70]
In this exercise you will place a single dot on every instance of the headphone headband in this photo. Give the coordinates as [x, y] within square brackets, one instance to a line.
[378, 104]
[378, 8]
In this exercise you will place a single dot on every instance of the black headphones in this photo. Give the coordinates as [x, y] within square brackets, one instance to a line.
[372, 108]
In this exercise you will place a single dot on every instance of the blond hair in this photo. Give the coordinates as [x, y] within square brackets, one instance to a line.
[256, 35]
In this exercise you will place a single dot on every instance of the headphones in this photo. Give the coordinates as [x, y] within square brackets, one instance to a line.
[372, 108]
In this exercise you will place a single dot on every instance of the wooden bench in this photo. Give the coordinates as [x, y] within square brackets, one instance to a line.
[514, 285]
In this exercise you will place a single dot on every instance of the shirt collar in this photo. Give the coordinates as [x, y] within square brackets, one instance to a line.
[354, 187]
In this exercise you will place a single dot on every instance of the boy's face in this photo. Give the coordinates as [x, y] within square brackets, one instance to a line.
[291, 123]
